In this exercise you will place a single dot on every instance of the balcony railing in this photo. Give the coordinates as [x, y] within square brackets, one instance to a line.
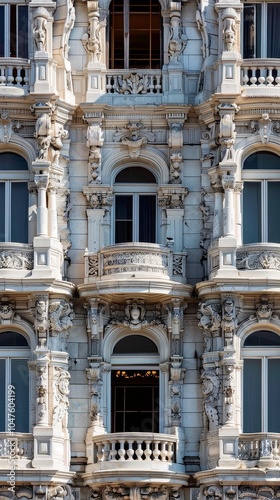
[15, 73]
[134, 447]
[260, 73]
[16, 445]
[139, 259]
[127, 81]
[259, 447]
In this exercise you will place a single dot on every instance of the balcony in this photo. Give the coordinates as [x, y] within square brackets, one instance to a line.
[260, 77]
[134, 82]
[137, 267]
[132, 457]
[14, 76]
[259, 449]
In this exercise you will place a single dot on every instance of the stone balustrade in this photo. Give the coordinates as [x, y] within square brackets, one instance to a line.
[15, 73]
[134, 446]
[134, 82]
[16, 446]
[260, 72]
[141, 259]
[262, 447]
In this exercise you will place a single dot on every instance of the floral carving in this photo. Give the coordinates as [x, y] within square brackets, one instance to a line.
[175, 168]
[210, 391]
[41, 318]
[134, 135]
[132, 83]
[6, 313]
[209, 322]
[60, 394]
[228, 322]
[263, 260]
[135, 261]
[61, 316]
[16, 260]
[264, 310]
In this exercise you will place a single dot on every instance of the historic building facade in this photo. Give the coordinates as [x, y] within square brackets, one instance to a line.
[139, 249]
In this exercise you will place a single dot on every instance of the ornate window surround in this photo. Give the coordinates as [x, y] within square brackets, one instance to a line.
[159, 337]
[264, 177]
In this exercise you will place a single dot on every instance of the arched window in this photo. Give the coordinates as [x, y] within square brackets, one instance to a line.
[135, 206]
[135, 385]
[135, 34]
[261, 375]
[14, 357]
[14, 198]
[261, 175]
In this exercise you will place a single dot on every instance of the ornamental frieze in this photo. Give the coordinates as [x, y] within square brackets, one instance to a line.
[260, 260]
[16, 260]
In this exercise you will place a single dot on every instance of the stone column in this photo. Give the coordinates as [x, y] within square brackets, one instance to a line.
[41, 181]
[52, 207]
[228, 183]
[218, 206]
[238, 219]
[33, 203]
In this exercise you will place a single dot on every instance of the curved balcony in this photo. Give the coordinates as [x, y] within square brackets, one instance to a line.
[16, 260]
[258, 256]
[134, 456]
[16, 446]
[261, 77]
[136, 267]
[259, 449]
[14, 76]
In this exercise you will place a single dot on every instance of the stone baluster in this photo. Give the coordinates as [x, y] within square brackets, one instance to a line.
[130, 451]
[139, 451]
[148, 451]
[121, 451]
[113, 451]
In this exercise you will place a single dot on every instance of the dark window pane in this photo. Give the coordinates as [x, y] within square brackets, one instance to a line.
[20, 379]
[147, 218]
[249, 31]
[273, 212]
[273, 395]
[263, 338]
[12, 339]
[19, 212]
[2, 395]
[136, 174]
[13, 31]
[273, 41]
[124, 221]
[2, 211]
[2, 31]
[252, 212]
[135, 344]
[262, 160]
[23, 31]
[252, 396]
[12, 161]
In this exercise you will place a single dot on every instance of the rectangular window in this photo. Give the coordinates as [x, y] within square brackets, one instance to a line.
[14, 371]
[135, 218]
[14, 30]
[135, 34]
[260, 30]
[252, 211]
[252, 396]
[14, 199]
